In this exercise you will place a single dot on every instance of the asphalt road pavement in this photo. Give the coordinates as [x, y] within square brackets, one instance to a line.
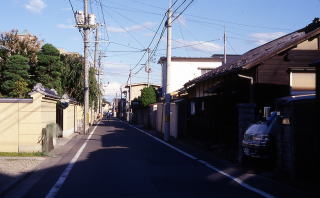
[120, 161]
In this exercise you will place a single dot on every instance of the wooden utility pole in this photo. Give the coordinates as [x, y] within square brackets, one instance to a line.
[96, 48]
[100, 84]
[86, 29]
[148, 68]
[225, 46]
[168, 89]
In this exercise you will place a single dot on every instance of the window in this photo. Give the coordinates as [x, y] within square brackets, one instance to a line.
[202, 106]
[192, 108]
[302, 82]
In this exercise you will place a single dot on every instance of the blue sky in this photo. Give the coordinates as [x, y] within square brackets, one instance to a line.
[131, 24]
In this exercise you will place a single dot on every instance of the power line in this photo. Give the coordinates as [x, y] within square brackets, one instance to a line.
[232, 47]
[133, 21]
[183, 10]
[124, 29]
[104, 20]
[132, 10]
[117, 43]
[122, 54]
[214, 19]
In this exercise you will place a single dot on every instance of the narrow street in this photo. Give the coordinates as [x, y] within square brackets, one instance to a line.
[120, 161]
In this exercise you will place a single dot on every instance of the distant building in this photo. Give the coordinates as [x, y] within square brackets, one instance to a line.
[106, 106]
[64, 52]
[135, 90]
[188, 68]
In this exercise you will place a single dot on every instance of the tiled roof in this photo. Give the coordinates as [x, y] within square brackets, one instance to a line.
[261, 53]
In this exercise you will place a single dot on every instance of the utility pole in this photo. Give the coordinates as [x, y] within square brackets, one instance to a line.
[130, 73]
[86, 30]
[148, 68]
[168, 86]
[95, 63]
[96, 48]
[99, 82]
[121, 103]
[224, 46]
[129, 98]
[85, 21]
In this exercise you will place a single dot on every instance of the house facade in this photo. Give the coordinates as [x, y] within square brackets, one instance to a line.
[133, 91]
[276, 69]
[188, 68]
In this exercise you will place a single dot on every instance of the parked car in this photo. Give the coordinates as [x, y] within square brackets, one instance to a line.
[259, 138]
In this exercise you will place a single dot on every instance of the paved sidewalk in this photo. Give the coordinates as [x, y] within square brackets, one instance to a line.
[15, 169]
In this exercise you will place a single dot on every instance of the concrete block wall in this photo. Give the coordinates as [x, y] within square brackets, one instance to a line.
[9, 127]
[21, 123]
[174, 120]
[69, 120]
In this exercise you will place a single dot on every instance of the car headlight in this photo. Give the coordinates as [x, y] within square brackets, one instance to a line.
[260, 138]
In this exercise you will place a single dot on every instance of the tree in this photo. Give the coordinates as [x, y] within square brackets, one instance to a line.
[21, 88]
[49, 68]
[20, 44]
[94, 89]
[15, 76]
[148, 96]
[72, 76]
[73, 80]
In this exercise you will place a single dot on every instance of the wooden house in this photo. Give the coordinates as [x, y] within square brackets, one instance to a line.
[276, 69]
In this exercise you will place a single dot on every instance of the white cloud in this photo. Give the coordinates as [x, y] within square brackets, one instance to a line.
[35, 6]
[262, 38]
[111, 89]
[199, 45]
[64, 26]
[131, 28]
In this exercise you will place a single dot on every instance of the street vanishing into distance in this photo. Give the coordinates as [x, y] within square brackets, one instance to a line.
[120, 161]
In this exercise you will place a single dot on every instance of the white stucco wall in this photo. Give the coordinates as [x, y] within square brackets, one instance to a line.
[183, 71]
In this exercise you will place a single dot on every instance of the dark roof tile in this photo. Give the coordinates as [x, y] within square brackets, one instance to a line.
[263, 52]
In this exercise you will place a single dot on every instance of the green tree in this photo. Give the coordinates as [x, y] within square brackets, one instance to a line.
[148, 96]
[94, 90]
[15, 76]
[49, 68]
[21, 88]
[73, 80]
[72, 76]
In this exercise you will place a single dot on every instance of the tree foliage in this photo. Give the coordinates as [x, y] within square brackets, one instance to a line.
[24, 63]
[15, 76]
[49, 68]
[72, 76]
[20, 44]
[94, 90]
[148, 96]
[73, 80]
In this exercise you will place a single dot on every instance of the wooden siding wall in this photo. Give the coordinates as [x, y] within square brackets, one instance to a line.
[275, 70]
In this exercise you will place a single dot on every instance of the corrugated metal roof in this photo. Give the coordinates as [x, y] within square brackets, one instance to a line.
[261, 53]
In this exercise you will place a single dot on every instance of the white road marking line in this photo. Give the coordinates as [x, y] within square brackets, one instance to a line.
[55, 189]
[237, 180]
